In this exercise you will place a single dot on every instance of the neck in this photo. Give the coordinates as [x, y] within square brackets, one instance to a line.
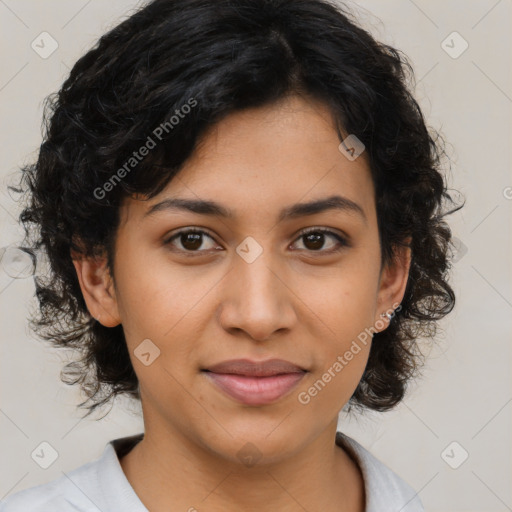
[170, 471]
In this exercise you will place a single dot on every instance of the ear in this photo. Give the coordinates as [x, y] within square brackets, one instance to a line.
[392, 284]
[97, 288]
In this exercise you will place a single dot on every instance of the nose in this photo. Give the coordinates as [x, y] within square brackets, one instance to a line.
[257, 299]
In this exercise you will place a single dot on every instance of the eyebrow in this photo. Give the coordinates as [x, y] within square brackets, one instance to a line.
[206, 207]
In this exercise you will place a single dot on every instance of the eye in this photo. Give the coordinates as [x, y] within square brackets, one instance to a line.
[191, 240]
[314, 239]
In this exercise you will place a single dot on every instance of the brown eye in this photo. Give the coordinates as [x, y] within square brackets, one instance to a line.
[190, 240]
[315, 239]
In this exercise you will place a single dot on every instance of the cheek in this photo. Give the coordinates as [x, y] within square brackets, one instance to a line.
[342, 346]
[344, 298]
[331, 386]
[153, 294]
[171, 307]
[343, 310]
[345, 347]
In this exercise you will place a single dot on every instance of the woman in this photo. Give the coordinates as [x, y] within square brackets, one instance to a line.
[242, 208]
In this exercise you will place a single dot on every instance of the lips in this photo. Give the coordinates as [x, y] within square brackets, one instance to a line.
[255, 368]
[255, 382]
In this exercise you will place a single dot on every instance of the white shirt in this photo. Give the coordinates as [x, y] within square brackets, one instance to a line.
[101, 485]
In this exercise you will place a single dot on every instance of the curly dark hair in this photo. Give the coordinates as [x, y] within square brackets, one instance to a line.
[228, 55]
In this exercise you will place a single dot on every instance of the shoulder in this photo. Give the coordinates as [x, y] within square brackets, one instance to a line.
[384, 489]
[72, 491]
[96, 485]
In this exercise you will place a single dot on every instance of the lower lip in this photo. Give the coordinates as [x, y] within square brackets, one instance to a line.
[256, 390]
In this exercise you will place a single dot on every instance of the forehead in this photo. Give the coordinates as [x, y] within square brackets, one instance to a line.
[263, 159]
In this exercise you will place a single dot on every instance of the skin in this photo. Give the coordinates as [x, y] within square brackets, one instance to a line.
[297, 301]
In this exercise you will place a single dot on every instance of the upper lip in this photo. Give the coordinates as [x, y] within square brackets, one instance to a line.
[255, 368]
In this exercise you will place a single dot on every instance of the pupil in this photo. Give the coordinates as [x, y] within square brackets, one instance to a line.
[317, 239]
[194, 237]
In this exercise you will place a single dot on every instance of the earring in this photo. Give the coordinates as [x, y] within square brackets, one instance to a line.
[388, 315]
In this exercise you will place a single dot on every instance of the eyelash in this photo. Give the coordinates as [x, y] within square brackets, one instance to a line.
[341, 240]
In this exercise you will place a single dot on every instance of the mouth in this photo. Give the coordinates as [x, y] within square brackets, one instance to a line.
[253, 382]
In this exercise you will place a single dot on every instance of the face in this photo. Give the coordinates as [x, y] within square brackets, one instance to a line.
[271, 280]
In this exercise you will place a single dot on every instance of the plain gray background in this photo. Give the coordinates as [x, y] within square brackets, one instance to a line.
[465, 394]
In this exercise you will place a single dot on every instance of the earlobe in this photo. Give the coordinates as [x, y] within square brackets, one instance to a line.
[97, 288]
[393, 282]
